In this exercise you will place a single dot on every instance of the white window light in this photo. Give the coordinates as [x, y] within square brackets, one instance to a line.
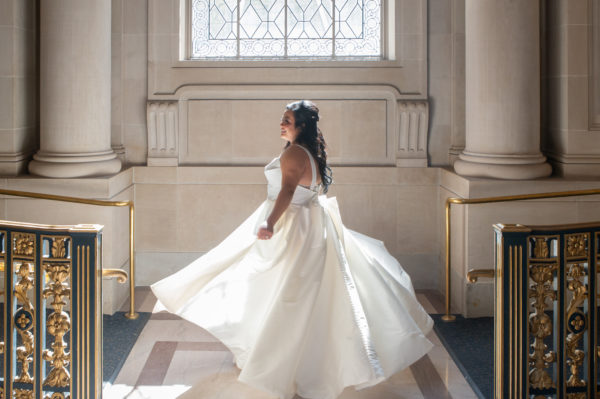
[276, 29]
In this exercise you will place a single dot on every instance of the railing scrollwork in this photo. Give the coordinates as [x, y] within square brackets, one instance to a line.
[51, 340]
[546, 326]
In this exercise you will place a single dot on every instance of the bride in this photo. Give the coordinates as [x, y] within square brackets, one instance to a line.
[305, 305]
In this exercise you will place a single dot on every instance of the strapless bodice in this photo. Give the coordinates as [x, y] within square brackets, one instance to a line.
[302, 196]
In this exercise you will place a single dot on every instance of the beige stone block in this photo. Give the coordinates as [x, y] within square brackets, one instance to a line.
[156, 196]
[383, 217]
[440, 16]
[162, 14]
[384, 175]
[371, 211]
[441, 90]
[418, 211]
[22, 140]
[24, 12]
[364, 137]
[413, 11]
[578, 103]
[159, 55]
[116, 63]
[237, 131]
[577, 49]
[97, 188]
[588, 211]
[328, 112]
[351, 199]
[557, 105]
[556, 42]
[221, 175]
[24, 52]
[134, 101]
[155, 175]
[135, 141]
[156, 217]
[135, 17]
[6, 14]
[116, 17]
[209, 213]
[7, 44]
[156, 229]
[255, 129]
[25, 96]
[6, 103]
[412, 48]
[7, 140]
[583, 142]
[209, 135]
[458, 14]
[135, 55]
[578, 11]
[440, 47]
[440, 141]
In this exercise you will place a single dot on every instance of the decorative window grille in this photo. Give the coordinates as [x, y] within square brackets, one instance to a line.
[286, 28]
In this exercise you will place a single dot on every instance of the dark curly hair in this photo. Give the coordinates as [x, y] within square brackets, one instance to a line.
[306, 115]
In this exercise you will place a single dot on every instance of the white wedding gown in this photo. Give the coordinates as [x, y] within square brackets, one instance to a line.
[316, 308]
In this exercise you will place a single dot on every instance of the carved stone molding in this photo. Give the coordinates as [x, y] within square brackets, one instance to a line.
[412, 133]
[163, 148]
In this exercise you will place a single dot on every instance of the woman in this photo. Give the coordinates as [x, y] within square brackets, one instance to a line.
[304, 304]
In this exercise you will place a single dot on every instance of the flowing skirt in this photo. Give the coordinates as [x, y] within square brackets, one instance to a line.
[315, 309]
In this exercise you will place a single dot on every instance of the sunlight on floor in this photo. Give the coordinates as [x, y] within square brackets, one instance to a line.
[122, 391]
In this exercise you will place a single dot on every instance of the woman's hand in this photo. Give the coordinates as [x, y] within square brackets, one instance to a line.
[265, 231]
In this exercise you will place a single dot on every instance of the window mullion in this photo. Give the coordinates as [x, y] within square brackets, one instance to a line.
[238, 28]
[285, 35]
[333, 29]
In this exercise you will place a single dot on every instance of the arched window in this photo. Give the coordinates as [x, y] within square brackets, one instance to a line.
[286, 29]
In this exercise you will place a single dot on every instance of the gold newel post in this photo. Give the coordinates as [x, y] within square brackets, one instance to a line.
[51, 344]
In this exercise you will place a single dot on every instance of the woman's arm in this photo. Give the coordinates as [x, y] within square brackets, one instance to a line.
[292, 167]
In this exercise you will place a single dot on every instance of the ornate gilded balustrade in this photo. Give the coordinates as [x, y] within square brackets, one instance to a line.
[51, 335]
[546, 315]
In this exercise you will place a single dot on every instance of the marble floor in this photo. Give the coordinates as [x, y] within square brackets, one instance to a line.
[175, 359]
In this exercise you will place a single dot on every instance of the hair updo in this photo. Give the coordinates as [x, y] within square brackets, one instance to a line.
[306, 115]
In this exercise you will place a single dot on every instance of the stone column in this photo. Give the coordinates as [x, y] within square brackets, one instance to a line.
[75, 63]
[502, 91]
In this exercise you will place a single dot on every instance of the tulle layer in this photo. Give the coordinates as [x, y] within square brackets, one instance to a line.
[315, 309]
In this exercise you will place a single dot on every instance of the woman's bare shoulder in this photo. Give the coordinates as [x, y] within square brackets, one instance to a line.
[293, 157]
[294, 153]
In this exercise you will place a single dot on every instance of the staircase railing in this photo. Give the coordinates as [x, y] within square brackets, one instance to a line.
[51, 335]
[122, 276]
[546, 313]
[487, 200]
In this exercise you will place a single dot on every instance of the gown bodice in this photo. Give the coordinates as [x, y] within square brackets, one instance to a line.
[303, 195]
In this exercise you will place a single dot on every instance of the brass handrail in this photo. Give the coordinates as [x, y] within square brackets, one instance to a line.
[475, 274]
[131, 314]
[486, 200]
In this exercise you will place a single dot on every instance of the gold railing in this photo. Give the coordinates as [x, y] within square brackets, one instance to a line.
[51, 334]
[509, 198]
[108, 272]
[546, 316]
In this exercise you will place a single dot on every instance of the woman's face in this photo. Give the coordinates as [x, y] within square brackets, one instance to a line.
[289, 132]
